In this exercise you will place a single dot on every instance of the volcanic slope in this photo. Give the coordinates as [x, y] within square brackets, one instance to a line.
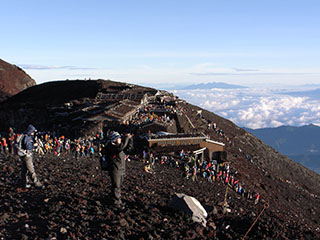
[75, 202]
[65, 106]
[13, 80]
[75, 205]
[291, 190]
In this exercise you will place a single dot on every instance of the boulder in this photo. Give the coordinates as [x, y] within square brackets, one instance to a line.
[190, 205]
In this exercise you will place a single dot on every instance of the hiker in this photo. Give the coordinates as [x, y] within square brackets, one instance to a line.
[59, 145]
[194, 173]
[257, 198]
[82, 150]
[115, 153]
[91, 151]
[148, 168]
[27, 166]
[67, 146]
[77, 149]
[11, 138]
[151, 160]
[38, 146]
[144, 156]
[4, 145]
[186, 170]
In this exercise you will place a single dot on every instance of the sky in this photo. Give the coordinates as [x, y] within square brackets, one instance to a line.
[165, 43]
[269, 46]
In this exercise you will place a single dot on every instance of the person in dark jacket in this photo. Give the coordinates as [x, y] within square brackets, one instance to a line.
[115, 154]
[27, 166]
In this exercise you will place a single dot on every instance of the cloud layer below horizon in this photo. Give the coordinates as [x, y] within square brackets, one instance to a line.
[256, 108]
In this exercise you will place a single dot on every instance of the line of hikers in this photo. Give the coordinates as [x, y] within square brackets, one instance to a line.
[192, 167]
[219, 131]
[47, 143]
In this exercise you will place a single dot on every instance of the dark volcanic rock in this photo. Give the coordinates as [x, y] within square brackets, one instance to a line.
[74, 211]
[13, 80]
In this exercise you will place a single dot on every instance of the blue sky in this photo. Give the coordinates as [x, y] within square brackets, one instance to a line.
[159, 43]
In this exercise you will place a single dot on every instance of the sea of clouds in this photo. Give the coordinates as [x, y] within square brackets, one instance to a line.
[255, 107]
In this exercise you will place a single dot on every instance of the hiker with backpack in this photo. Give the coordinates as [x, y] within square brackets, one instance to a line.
[114, 155]
[24, 147]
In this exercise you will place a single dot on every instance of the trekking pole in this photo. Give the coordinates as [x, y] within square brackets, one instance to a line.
[266, 206]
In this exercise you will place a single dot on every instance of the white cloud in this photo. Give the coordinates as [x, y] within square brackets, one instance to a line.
[256, 108]
[45, 67]
[275, 123]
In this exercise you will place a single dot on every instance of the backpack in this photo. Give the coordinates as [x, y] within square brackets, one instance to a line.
[19, 145]
[104, 163]
[106, 160]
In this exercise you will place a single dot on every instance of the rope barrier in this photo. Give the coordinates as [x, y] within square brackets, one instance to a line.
[266, 206]
[190, 121]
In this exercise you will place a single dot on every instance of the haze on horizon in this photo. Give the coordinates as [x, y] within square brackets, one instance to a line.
[166, 43]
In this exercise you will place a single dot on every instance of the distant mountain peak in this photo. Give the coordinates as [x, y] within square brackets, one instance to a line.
[211, 85]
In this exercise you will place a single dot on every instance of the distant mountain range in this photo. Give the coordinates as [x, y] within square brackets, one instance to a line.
[209, 86]
[315, 94]
[301, 144]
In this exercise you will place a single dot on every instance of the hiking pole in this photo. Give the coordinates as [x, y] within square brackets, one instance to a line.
[266, 205]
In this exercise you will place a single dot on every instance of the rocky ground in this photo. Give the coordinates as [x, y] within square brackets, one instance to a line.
[75, 205]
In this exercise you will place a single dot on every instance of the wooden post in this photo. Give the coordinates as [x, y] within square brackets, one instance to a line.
[225, 197]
